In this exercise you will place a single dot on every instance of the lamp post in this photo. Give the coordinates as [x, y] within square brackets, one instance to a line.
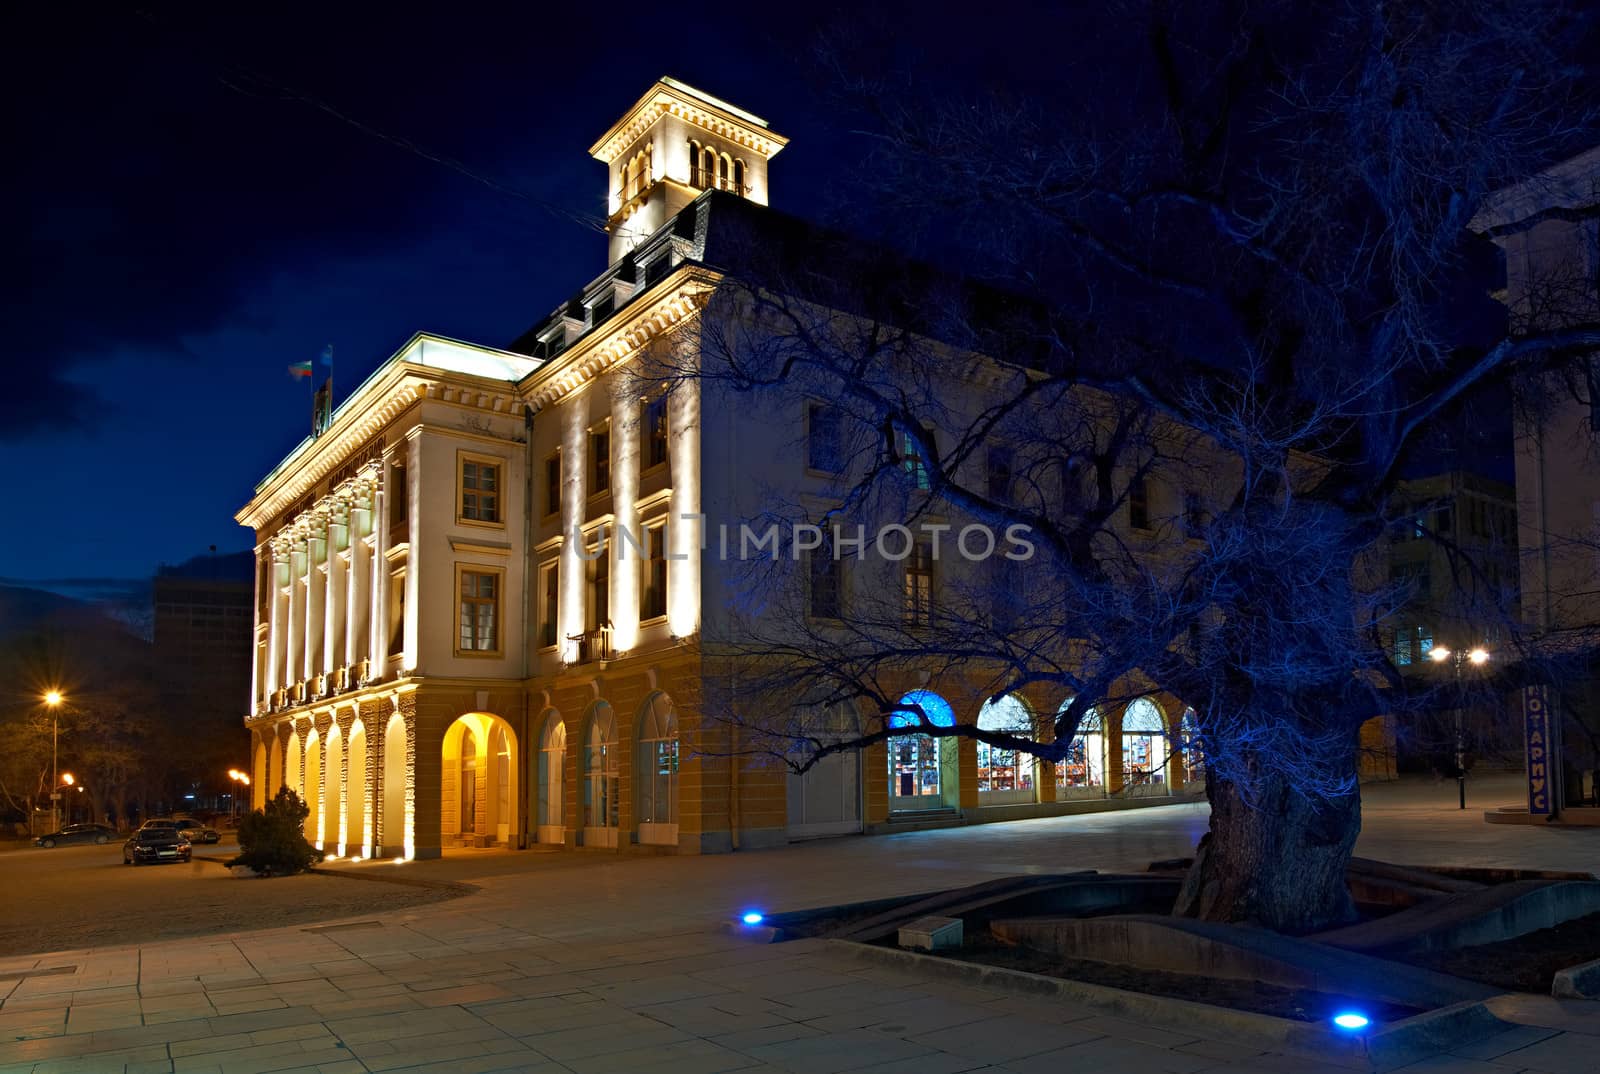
[1477, 657]
[240, 779]
[52, 700]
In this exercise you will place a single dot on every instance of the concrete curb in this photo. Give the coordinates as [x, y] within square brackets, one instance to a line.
[457, 887]
[1578, 982]
[1383, 1047]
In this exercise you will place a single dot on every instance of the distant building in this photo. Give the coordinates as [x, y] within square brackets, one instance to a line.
[203, 617]
[1548, 229]
[1456, 559]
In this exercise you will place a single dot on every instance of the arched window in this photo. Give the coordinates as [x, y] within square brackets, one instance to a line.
[1144, 748]
[658, 771]
[600, 805]
[1194, 753]
[738, 176]
[552, 765]
[708, 167]
[922, 767]
[1005, 776]
[1082, 773]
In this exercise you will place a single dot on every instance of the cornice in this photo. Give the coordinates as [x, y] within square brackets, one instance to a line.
[665, 100]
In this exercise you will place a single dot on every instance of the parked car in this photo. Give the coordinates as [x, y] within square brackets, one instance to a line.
[197, 831]
[155, 842]
[78, 833]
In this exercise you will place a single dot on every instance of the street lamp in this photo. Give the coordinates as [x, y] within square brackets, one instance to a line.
[66, 781]
[1477, 656]
[52, 700]
[243, 780]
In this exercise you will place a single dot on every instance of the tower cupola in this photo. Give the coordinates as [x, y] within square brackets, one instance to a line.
[674, 143]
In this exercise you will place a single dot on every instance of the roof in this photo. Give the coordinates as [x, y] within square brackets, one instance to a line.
[1566, 187]
[693, 106]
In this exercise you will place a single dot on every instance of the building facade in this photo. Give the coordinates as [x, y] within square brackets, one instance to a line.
[456, 643]
[1548, 231]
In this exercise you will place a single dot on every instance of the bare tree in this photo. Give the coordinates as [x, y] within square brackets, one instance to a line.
[1191, 343]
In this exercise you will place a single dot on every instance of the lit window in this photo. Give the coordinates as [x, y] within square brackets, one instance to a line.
[480, 490]
[915, 465]
[480, 612]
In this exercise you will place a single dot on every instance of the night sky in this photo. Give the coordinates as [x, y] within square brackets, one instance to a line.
[195, 217]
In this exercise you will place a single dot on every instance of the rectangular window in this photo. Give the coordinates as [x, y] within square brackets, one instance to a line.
[599, 460]
[824, 438]
[397, 612]
[480, 490]
[916, 466]
[919, 586]
[599, 610]
[827, 583]
[653, 598]
[1139, 503]
[480, 612]
[550, 596]
[998, 478]
[552, 485]
[655, 431]
[399, 505]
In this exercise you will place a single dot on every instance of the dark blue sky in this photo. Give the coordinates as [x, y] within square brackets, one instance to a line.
[192, 224]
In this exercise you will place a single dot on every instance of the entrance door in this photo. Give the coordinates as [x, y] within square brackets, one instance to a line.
[914, 772]
[826, 800]
[469, 784]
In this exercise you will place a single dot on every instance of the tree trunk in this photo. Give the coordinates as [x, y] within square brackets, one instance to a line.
[1278, 862]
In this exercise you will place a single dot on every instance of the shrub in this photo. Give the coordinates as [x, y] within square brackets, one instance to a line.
[272, 839]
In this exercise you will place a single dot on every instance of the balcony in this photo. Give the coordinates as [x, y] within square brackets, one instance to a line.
[706, 179]
[593, 644]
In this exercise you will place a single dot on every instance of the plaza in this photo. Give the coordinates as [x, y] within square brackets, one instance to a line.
[593, 963]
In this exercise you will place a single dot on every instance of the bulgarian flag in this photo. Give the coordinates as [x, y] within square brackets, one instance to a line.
[301, 369]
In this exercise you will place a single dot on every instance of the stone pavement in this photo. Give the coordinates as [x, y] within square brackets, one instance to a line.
[569, 962]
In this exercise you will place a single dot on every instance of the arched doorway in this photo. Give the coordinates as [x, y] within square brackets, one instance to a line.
[1082, 773]
[551, 806]
[294, 766]
[355, 813]
[657, 768]
[313, 795]
[478, 782]
[396, 824]
[825, 799]
[332, 792]
[1145, 754]
[258, 776]
[274, 767]
[1005, 776]
[924, 771]
[601, 809]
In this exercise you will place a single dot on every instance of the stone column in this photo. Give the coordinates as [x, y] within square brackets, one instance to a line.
[357, 646]
[316, 589]
[378, 610]
[338, 599]
[277, 610]
[413, 606]
[295, 648]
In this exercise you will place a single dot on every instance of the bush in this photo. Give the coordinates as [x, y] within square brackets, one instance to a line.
[272, 839]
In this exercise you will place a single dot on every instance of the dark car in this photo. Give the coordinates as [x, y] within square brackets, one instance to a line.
[77, 833]
[196, 831]
[155, 842]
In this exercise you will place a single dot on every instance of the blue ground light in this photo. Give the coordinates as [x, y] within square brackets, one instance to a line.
[1352, 1021]
[754, 917]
